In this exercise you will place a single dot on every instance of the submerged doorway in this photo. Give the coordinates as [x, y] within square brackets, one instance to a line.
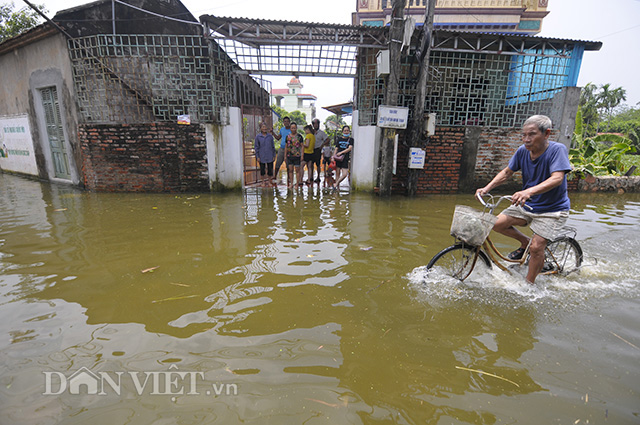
[252, 116]
[55, 132]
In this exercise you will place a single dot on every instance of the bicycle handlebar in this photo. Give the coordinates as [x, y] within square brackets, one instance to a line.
[479, 198]
[491, 205]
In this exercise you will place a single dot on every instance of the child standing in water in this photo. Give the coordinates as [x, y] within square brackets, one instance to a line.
[293, 154]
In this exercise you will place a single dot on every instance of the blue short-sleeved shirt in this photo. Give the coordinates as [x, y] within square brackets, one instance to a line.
[284, 132]
[555, 158]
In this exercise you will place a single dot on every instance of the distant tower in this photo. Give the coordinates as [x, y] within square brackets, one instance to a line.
[295, 86]
[292, 99]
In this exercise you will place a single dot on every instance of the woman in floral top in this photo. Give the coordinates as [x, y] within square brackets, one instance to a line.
[293, 153]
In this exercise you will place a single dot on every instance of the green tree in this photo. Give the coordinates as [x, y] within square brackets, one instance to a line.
[608, 99]
[298, 117]
[14, 22]
[589, 107]
[600, 155]
[333, 125]
[627, 122]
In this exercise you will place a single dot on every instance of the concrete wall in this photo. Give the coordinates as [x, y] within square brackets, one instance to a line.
[27, 69]
[225, 153]
[364, 160]
[605, 184]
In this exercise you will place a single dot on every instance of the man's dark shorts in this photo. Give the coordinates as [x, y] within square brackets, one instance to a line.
[317, 154]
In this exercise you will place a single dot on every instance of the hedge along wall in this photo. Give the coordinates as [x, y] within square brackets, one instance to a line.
[154, 157]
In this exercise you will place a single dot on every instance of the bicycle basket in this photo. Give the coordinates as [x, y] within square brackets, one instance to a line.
[470, 225]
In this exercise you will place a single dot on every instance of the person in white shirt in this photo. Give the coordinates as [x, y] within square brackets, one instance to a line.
[322, 140]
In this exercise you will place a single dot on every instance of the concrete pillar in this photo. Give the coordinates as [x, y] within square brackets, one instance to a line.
[364, 159]
[225, 153]
[468, 160]
[563, 113]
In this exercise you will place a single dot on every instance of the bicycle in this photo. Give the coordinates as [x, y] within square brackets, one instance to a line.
[471, 228]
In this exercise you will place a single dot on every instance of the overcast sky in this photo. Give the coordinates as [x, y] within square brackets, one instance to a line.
[614, 22]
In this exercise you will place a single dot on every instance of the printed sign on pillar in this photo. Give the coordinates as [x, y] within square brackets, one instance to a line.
[393, 117]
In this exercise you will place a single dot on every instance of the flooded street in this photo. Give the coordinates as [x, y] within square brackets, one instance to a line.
[272, 307]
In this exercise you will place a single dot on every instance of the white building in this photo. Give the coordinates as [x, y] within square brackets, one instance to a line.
[292, 99]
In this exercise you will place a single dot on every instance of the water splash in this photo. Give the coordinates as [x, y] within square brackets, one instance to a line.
[597, 279]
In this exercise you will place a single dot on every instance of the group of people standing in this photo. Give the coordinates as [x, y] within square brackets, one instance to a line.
[297, 149]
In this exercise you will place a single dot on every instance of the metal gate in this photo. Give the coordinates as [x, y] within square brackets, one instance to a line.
[252, 116]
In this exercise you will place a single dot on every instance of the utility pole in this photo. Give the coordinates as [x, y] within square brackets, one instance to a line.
[417, 134]
[113, 17]
[396, 34]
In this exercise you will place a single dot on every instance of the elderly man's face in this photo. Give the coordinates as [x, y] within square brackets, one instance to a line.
[533, 139]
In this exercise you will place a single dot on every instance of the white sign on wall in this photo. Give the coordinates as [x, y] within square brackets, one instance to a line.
[416, 158]
[393, 117]
[16, 146]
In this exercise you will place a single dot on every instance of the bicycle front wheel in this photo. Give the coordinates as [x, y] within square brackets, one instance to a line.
[562, 256]
[458, 261]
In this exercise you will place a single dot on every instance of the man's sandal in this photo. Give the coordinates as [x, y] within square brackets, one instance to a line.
[517, 254]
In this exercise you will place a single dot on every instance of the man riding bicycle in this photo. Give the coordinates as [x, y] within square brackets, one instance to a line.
[544, 165]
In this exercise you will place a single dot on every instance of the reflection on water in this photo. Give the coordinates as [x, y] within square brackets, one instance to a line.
[315, 305]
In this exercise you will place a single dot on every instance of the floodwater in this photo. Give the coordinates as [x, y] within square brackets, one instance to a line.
[272, 307]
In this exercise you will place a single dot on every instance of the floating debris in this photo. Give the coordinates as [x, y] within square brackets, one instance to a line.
[488, 374]
[631, 344]
[323, 402]
[174, 298]
[150, 269]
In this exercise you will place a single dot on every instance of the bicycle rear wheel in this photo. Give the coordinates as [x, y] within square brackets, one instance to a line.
[562, 256]
[458, 261]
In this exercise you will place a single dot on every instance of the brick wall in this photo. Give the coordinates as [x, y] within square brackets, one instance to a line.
[495, 148]
[442, 169]
[155, 157]
[441, 173]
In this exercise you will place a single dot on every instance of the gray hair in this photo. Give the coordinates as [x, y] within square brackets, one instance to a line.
[543, 122]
